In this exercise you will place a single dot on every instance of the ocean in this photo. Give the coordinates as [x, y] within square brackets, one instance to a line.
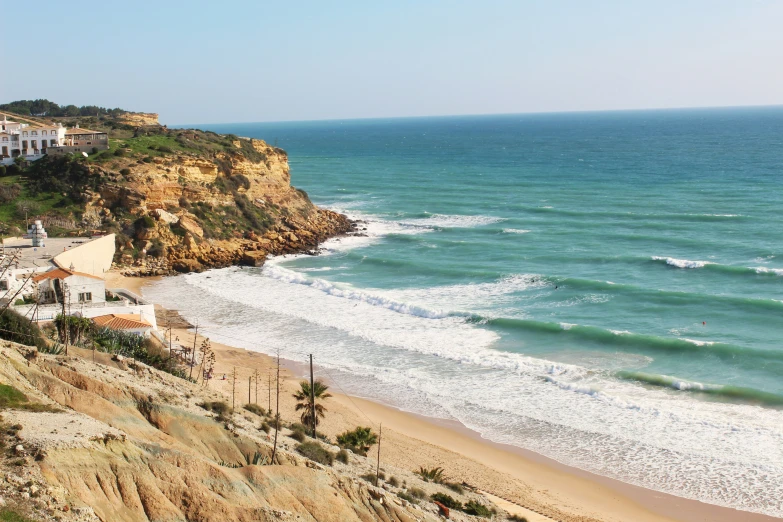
[605, 289]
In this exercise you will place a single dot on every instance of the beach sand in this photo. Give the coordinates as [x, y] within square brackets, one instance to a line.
[524, 482]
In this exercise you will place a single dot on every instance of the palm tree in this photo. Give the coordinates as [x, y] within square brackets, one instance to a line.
[302, 397]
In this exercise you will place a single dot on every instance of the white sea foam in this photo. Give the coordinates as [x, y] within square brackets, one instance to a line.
[289, 276]
[452, 221]
[697, 342]
[682, 263]
[727, 454]
[765, 270]
[515, 231]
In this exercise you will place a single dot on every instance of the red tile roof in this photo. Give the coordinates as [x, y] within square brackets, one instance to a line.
[61, 273]
[121, 321]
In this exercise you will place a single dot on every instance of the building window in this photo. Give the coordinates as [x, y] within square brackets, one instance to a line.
[54, 143]
[34, 133]
[85, 297]
[24, 133]
[48, 295]
[43, 133]
[24, 144]
[3, 285]
[5, 138]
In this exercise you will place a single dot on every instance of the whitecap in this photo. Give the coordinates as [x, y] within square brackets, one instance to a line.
[681, 263]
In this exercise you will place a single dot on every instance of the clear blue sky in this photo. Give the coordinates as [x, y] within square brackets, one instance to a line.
[207, 62]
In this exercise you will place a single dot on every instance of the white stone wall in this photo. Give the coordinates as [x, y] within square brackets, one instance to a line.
[94, 257]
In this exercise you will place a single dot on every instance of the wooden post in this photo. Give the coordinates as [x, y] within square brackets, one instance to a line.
[277, 409]
[249, 381]
[256, 379]
[234, 388]
[65, 321]
[378, 464]
[269, 389]
[312, 397]
[168, 327]
[193, 355]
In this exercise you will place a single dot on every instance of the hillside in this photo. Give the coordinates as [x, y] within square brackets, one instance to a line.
[177, 199]
[110, 439]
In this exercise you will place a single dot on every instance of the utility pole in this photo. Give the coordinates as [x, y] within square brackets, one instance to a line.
[256, 379]
[193, 355]
[168, 328]
[312, 396]
[234, 388]
[277, 409]
[378, 464]
[65, 320]
[249, 382]
[269, 389]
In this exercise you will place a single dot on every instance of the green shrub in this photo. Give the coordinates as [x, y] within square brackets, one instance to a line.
[315, 452]
[298, 435]
[359, 440]
[447, 500]
[431, 475]
[417, 492]
[17, 328]
[456, 488]
[406, 496]
[394, 482]
[219, 407]
[479, 510]
[342, 456]
[125, 171]
[144, 222]
[120, 152]
[255, 408]
[265, 427]
[517, 518]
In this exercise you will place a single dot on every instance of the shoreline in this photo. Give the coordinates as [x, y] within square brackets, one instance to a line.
[549, 489]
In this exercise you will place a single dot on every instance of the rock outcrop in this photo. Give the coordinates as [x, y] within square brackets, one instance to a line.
[232, 206]
[130, 443]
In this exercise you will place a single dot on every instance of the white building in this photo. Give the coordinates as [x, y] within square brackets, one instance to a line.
[33, 141]
[131, 323]
[73, 288]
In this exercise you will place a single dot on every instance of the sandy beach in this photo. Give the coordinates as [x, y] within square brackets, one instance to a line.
[523, 482]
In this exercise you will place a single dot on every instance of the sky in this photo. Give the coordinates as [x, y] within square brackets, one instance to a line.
[235, 61]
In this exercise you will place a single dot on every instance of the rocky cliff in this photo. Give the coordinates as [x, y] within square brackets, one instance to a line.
[113, 440]
[186, 200]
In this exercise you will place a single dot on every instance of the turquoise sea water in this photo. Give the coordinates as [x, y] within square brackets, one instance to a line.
[603, 288]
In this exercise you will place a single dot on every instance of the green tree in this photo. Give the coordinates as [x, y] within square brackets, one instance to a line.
[358, 440]
[304, 404]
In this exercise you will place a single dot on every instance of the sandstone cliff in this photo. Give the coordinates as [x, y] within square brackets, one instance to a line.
[118, 441]
[211, 201]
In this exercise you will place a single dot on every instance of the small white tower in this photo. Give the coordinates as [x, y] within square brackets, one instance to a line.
[37, 233]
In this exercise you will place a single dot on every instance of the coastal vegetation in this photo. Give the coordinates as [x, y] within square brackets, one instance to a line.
[305, 405]
[19, 329]
[358, 441]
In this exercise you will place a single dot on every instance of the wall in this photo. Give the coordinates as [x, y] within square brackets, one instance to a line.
[93, 258]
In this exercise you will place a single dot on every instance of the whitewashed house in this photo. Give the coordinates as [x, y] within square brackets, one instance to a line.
[74, 288]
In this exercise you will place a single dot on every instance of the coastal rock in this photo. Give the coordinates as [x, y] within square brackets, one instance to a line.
[190, 225]
[165, 217]
[254, 258]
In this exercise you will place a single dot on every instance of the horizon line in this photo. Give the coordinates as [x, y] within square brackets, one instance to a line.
[472, 115]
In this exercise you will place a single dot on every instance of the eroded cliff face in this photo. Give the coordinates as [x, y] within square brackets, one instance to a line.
[209, 211]
[130, 444]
